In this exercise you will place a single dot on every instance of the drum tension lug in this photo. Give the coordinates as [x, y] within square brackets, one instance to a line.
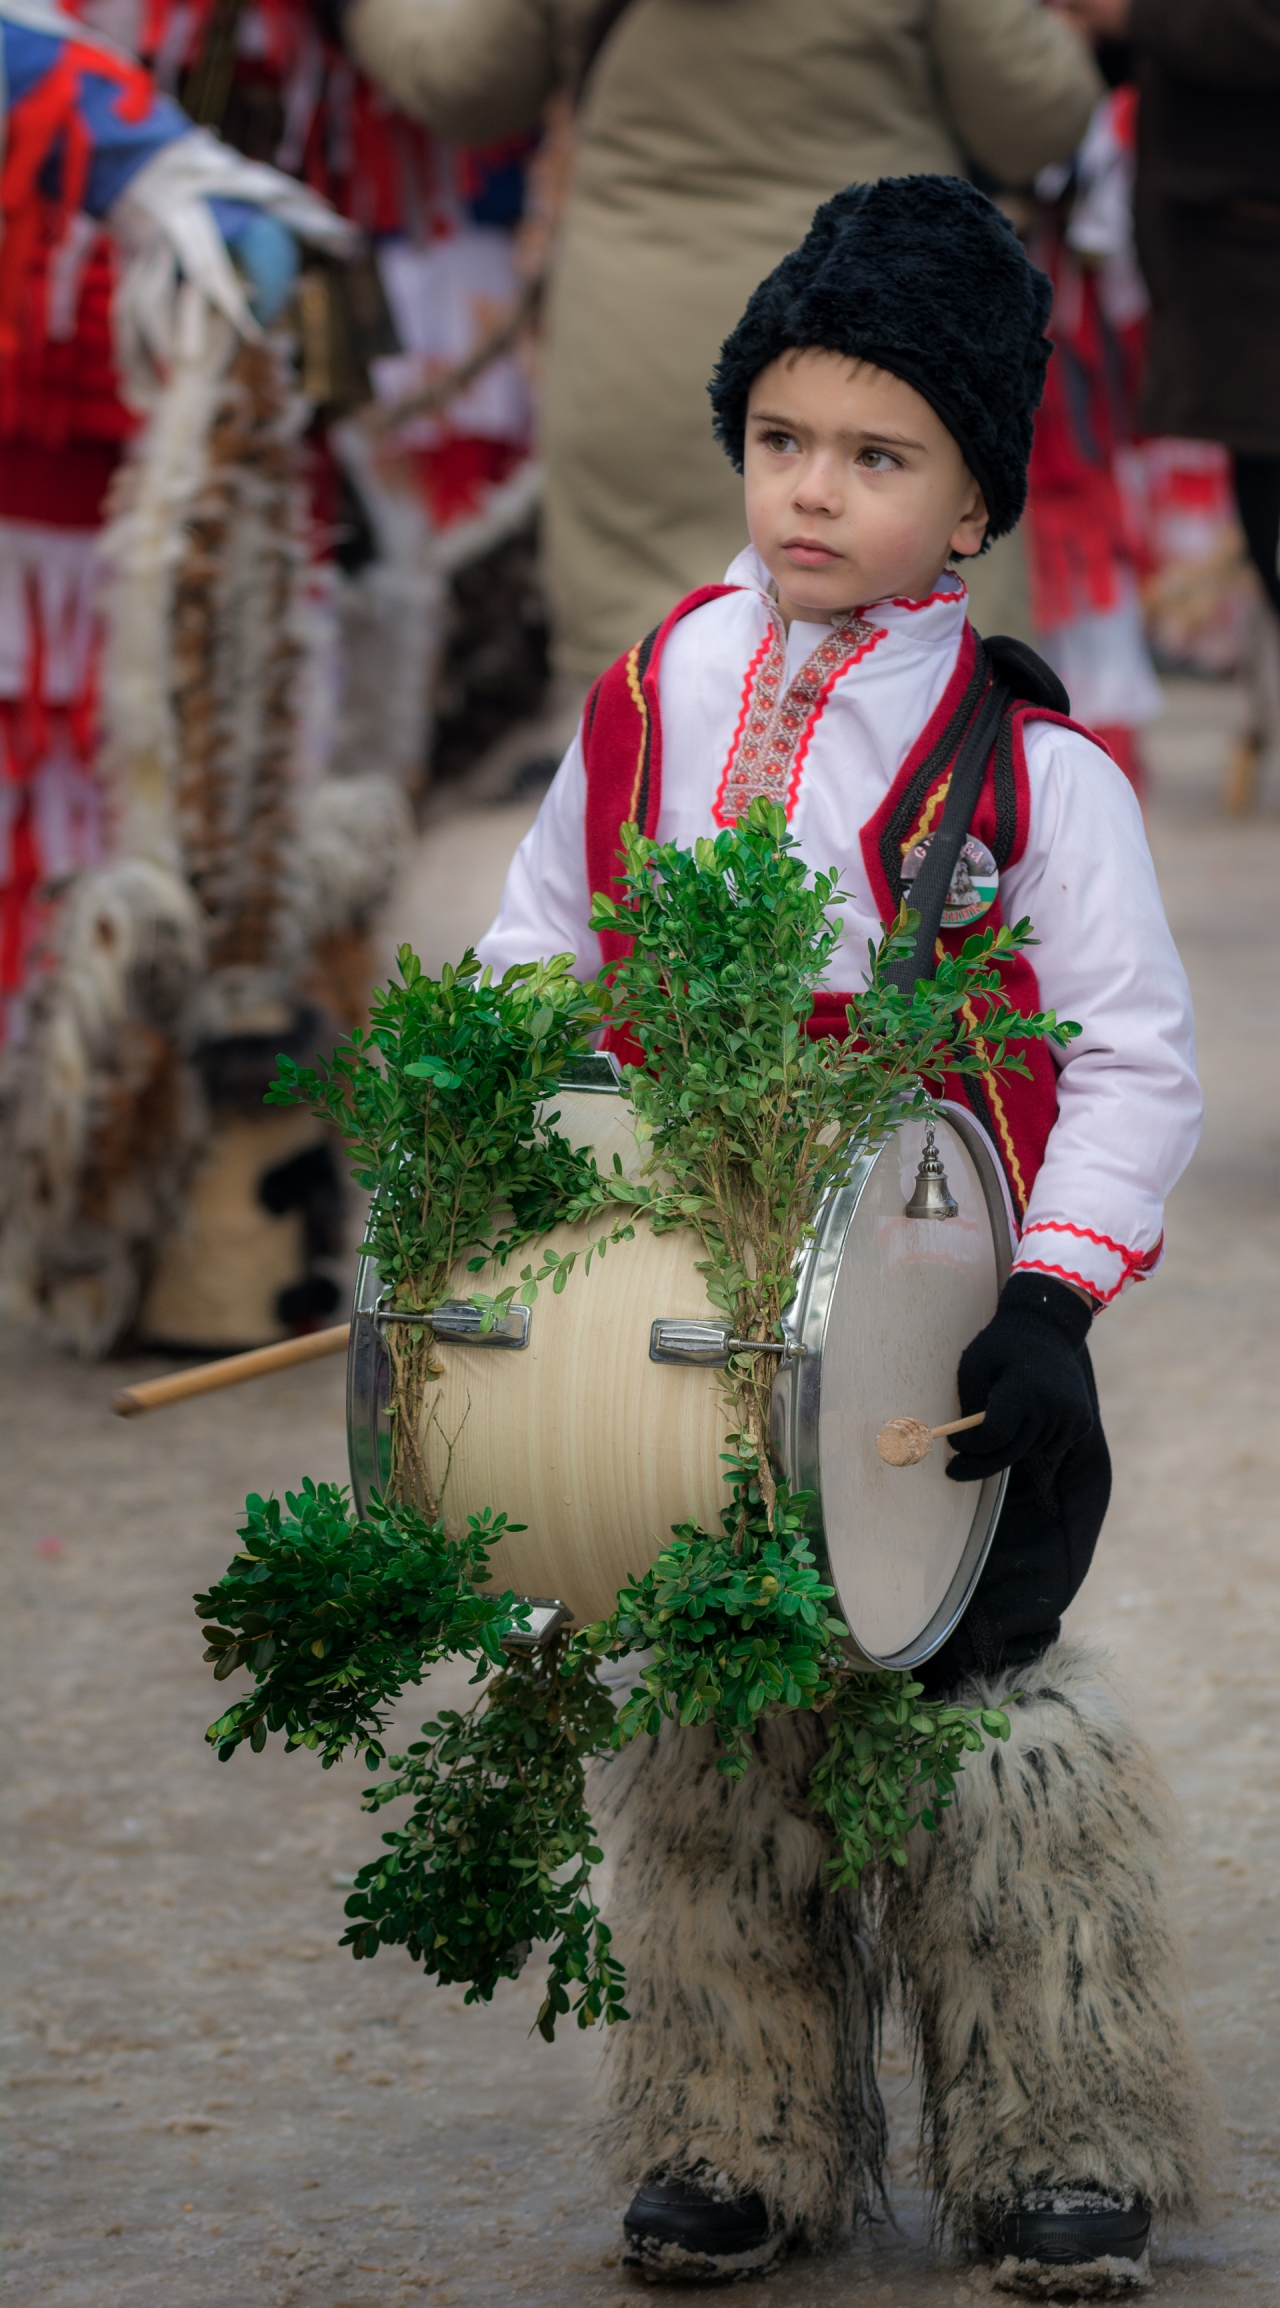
[546, 1619]
[708, 1345]
[460, 1324]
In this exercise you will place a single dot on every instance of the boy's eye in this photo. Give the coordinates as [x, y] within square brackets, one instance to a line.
[783, 444]
[878, 461]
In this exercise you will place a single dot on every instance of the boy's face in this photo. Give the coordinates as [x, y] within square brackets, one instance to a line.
[855, 489]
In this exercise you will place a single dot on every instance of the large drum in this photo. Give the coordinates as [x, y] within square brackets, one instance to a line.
[597, 1417]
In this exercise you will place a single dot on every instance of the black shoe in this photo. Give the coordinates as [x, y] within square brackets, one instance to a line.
[678, 2231]
[1072, 2244]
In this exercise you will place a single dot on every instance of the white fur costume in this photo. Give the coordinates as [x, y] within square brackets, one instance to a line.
[1027, 1937]
[750, 2049]
[1031, 1941]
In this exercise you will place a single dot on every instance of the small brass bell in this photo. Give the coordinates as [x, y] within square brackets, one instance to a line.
[931, 1197]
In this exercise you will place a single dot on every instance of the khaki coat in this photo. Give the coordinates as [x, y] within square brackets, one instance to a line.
[708, 133]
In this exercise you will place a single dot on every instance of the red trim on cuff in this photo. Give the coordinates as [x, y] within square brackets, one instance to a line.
[1064, 1274]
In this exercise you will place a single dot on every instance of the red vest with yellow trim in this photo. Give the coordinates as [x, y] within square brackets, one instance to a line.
[622, 748]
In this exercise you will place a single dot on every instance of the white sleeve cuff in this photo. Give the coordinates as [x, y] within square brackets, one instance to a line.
[1094, 1262]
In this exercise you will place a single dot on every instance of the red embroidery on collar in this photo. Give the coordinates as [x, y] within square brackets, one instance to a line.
[904, 601]
[775, 723]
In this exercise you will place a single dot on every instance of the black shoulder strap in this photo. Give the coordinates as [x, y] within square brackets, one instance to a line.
[929, 894]
[1031, 681]
[1018, 675]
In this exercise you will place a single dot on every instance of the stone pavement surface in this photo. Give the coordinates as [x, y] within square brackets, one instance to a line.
[209, 2105]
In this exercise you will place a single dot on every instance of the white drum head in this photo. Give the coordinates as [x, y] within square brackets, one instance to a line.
[885, 1308]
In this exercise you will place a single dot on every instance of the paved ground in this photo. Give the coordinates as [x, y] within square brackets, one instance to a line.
[208, 2105]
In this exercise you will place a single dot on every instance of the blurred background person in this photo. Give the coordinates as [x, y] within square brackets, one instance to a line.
[706, 136]
[230, 598]
[1208, 237]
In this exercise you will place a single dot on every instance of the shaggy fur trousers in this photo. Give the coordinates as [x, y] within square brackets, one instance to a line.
[1027, 1936]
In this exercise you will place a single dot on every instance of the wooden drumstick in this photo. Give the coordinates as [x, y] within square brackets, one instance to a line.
[232, 1370]
[905, 1441]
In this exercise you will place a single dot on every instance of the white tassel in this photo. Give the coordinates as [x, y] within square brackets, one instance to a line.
[142, 547]
[352, 836]
[104, 1124]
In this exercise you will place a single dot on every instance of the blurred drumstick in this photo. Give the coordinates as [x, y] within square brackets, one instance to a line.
[905, 1441]
[231, 1370]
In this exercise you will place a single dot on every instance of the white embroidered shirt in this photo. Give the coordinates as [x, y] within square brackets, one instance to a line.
[824, 719]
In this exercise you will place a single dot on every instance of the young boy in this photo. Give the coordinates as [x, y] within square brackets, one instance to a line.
[878, 395]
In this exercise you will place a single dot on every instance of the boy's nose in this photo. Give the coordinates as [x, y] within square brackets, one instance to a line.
[816, 491]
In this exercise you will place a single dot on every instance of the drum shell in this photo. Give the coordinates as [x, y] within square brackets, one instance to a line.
[598, 1451]
[579, 1436]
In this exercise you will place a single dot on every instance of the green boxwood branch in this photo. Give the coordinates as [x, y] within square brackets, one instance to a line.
[447, 1108]
[497, 1850]
[334, 1616]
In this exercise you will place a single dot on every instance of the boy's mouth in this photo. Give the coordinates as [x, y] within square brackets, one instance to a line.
[807, 553]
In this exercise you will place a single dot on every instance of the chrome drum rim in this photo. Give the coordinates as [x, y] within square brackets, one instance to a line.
[796, 1409]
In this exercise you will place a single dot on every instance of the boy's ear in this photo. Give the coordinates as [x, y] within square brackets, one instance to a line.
[971, 528]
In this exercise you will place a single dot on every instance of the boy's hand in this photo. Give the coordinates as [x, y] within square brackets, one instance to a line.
[1024, 1371]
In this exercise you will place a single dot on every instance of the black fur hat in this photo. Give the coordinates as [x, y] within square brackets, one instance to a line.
[923, 276]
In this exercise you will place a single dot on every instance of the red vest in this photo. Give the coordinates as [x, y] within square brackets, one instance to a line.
[622, 745]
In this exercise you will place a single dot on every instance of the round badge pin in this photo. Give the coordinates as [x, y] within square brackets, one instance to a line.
[974, 884]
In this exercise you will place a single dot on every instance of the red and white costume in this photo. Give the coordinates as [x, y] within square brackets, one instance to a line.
[837, 724]
[1085, 554]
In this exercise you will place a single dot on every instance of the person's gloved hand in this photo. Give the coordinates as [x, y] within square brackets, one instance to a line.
[1024, 1371]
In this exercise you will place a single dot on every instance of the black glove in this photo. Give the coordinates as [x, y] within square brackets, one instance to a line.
[1024, 1370]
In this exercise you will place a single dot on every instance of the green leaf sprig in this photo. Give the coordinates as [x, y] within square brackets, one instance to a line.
[498, 1847]
[737, 1625]
[891, 1761]
[335, 1616]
